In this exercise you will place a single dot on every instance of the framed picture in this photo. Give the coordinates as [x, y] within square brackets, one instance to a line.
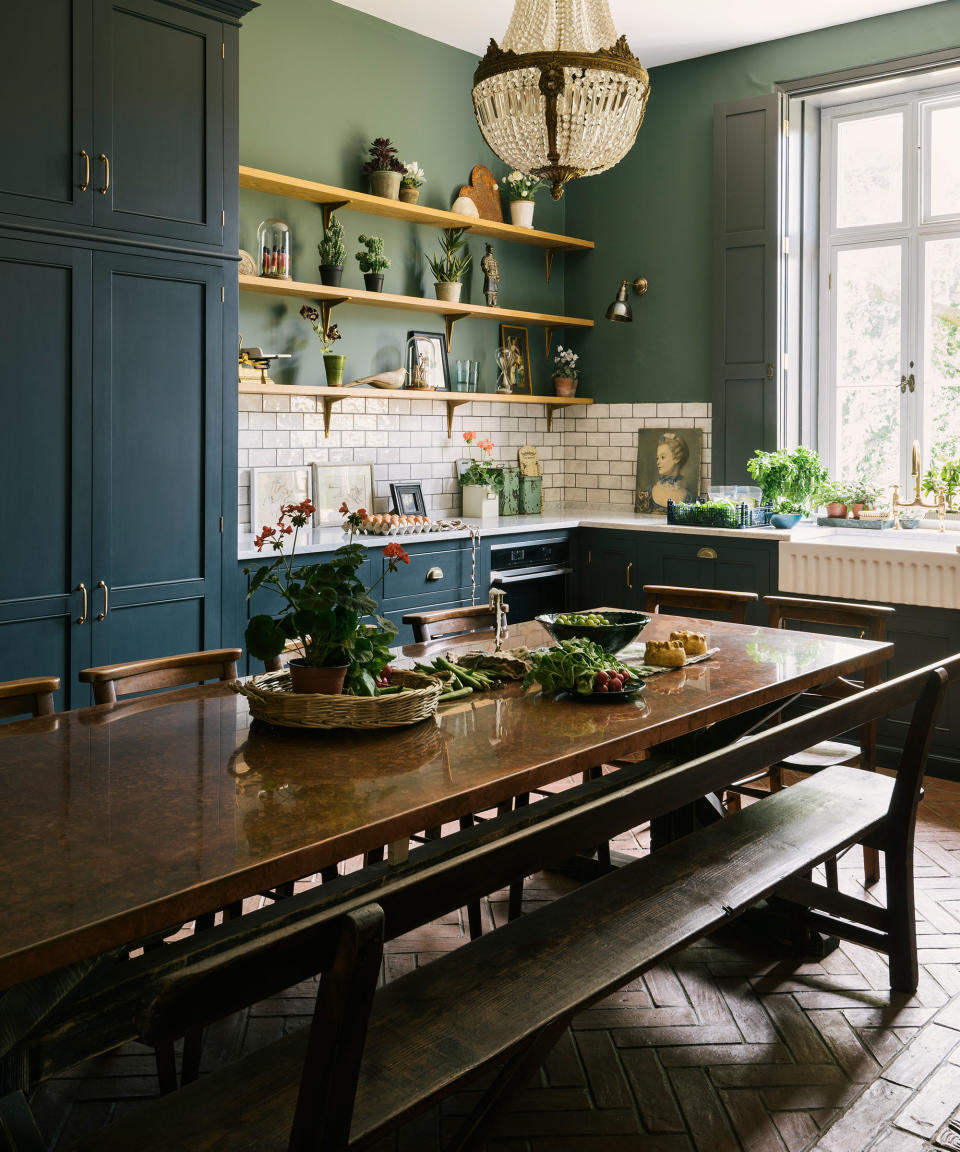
[335, 484]
[668, 467]
[272, 487]
[408, 499]
[427, 361]
[516, 340]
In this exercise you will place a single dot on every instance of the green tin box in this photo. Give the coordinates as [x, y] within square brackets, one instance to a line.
[531, 495]
[510, 492]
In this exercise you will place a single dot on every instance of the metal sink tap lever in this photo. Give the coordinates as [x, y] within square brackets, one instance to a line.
[918, 501]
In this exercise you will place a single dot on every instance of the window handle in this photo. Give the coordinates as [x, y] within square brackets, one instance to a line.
[907, 382]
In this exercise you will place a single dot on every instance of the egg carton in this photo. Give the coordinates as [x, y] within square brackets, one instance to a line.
[407, 526]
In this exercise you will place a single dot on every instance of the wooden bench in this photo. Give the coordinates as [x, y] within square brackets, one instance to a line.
[520, 986]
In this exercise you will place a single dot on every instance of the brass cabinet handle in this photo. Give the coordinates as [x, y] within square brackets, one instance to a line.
[629, 567]
[706, 553]
[106, 175]
[435, 574]
[106, 601]
[82, 619]
[86, 169]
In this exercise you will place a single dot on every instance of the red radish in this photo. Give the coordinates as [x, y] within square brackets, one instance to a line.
[602, 688]
[602, 677]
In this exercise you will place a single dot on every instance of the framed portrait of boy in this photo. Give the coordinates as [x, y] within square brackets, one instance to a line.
[668, 468]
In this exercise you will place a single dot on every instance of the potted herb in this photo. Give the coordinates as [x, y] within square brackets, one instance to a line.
[385, 169]
[451, 265]
[943, 475]
[372, 262]
[565, 372]
[833, 495]
[863, 495]
[790, 479]
[332, 254]
[521, 190]
[333, 362]
[412, 180]
[324, 610]
[480, 481]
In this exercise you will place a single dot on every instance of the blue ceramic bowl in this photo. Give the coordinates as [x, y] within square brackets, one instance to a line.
[785, 519]
[623, 629]
[909, 521]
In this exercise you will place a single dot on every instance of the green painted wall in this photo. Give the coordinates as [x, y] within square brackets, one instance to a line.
[650, 216]
[318, 82]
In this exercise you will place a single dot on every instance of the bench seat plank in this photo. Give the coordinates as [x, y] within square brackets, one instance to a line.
[533, 972]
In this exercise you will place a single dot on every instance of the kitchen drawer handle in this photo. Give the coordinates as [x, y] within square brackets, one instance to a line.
[106, 174]
[629, 567]
[82, 618]
[86, 169]
[435, 573]
[706, 553]
[106, 601]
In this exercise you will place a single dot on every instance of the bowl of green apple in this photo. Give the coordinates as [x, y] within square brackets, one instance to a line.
[611, 628]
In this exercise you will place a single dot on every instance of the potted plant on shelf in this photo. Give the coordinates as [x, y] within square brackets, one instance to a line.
[565, 372]
[451, 265]
[385, 169]
[863, 495]
[943, 476]
[790, 480]
[521, 190]
[332, 254]
[412, 180]
[325, 610]
[833, 495]
[333, 362]
[372, 262]
[481, 481]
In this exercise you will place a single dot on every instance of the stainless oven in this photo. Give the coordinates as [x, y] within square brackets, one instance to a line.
[534, 575]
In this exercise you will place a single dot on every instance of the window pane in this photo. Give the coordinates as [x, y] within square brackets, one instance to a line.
[942, 345]
[870, 171]
[868, 362]
[944, 147]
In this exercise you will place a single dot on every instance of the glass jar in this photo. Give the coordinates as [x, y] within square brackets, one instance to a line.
[274, 250]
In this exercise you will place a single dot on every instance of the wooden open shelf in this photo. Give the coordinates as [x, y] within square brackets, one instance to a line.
[330, 199]
[329, 298]
[452, 400]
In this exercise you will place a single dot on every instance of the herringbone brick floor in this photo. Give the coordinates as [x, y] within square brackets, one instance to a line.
[724, 1048]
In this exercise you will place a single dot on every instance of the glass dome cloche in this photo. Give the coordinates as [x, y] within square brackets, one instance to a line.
[274, 250]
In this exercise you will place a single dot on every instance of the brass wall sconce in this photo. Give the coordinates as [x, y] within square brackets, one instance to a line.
[620, 309]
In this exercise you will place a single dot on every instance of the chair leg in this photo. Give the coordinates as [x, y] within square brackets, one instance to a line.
[192, 1051]
[166, 1067]
[871, 866]
[830, 869]
[901, 921]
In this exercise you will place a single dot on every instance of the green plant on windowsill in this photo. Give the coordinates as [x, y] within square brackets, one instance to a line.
[788, 477]
[943, 475]
[864, 492]
[451, 265]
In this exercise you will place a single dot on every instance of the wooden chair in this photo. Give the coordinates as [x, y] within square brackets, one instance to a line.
[31, 697]
[113, 680]
[694, 601]
[479, 620]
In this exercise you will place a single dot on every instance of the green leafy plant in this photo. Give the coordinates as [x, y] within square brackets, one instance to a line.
[943, 474]
[565, 363]
[483, 470]
[372, 258]
[865, 493]
[572, 666]
[331, 248]
[789, 476]
[451, 265]
[833, 492]
[383, 158]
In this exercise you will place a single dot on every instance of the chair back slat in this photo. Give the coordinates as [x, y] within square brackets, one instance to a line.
[30, 697]
[453, 622]
[674, 600]
[114, 680]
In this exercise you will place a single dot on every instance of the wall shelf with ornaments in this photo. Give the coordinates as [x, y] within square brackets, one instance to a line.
[452, 400]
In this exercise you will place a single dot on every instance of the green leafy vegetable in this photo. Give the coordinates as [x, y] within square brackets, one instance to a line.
[572, 666]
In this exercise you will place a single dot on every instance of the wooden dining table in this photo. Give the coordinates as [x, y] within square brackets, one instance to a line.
[119, 820]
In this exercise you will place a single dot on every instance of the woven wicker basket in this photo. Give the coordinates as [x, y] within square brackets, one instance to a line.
[271, 699]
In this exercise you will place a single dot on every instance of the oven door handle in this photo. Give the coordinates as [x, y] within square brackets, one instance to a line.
[499, 578]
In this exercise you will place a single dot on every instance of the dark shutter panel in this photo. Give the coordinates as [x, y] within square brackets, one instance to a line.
[747, 232]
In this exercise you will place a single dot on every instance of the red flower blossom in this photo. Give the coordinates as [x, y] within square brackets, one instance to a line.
[394, 551]
[469, 437]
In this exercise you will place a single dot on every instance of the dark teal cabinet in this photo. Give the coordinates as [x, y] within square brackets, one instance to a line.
[607, 572]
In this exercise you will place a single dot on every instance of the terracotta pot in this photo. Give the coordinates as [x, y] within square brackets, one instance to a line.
[334, 364]
[564, 386]
[854, 510]
[330, 275]
[326, 681]
[521, 213]
[386, 184]
[836, 510]
[448, 290]
[373, 281]
[409, 195]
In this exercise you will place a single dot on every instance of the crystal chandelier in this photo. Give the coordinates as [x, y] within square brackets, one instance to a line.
[562, 97]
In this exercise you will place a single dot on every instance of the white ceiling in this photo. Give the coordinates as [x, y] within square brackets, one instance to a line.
[659, 32]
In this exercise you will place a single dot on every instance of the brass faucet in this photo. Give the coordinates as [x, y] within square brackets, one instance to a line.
[918, 501]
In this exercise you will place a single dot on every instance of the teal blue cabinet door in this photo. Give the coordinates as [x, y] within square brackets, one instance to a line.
[45, 461]
[46, 102]
[158, 121]
[157, 482]
[608, 574]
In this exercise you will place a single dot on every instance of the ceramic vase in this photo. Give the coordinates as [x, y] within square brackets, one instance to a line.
[564, 386]
[326, 681]
[448, 290]
[386, 184]
[333, 365]
[409, 195]
[479, 502]
[521, 213]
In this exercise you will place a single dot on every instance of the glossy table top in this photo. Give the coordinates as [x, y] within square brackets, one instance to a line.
[121, 819]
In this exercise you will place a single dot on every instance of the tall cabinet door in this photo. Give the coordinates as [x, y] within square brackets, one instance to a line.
[158, 377]
[45, 95]
[158, 121]
[45, 461]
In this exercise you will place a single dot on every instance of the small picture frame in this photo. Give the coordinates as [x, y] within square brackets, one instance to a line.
[271, 488]
[337, 484]
[408, 499]
[430, 350]
[517, 339]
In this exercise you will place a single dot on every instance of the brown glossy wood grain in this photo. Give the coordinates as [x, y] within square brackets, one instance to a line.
[134, 815]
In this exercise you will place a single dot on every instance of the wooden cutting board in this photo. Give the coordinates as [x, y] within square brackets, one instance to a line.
[482, 190]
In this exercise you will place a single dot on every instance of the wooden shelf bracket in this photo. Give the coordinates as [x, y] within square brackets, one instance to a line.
[550, 253]
[452, 406]
[328, 403]
[325, 308]
[448, 321]
[329, 208]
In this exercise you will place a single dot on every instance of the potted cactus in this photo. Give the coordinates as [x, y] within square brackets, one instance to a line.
[332, 254]
[372, 262]
[385, 169]
[451, 265]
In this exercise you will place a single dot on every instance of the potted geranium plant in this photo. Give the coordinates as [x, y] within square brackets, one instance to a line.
[480, 481]
[333, 362]
[385, 169]
[372, 262]
[325, 610]
[332, 254]
[521, 190]
[833, 495]
[451, 265]
[565, 372]
[412, 180]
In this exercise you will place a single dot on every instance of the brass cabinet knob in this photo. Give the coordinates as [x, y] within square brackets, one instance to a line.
[706, 553]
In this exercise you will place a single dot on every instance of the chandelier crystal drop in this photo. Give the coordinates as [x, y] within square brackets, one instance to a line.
[562, 96]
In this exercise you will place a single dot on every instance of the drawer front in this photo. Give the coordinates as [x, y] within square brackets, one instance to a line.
[428, 573]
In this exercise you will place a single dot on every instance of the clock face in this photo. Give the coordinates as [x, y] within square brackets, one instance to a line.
[248, 266]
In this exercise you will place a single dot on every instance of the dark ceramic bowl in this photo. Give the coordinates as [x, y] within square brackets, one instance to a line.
[623, 629]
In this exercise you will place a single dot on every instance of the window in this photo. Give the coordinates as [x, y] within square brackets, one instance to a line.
[890, 284]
